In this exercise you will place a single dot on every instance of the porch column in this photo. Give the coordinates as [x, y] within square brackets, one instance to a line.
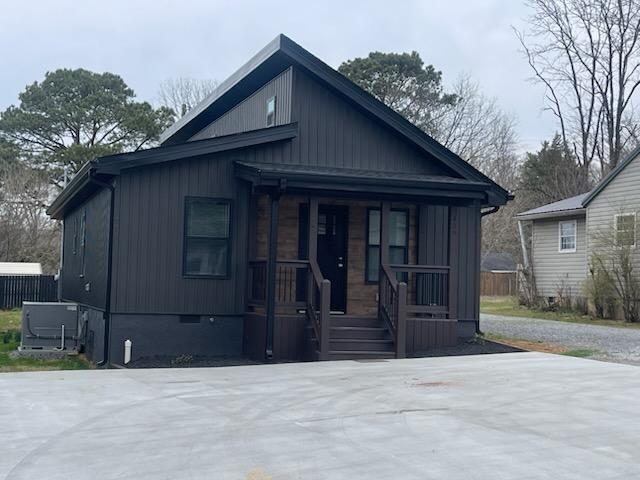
[272, 271]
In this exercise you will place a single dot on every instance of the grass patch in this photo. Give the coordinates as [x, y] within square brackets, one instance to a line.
[509, 306]
[580, 352]
[10, 326]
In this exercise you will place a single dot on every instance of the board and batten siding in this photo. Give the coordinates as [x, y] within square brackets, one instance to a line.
[88, 287]
[148, 239]
[335, 133]
[555, 270]
[251, 113]
[622, 195]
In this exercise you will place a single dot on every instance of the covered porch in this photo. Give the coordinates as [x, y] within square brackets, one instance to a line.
[350, 265]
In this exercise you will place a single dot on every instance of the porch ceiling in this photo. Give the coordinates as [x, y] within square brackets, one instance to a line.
[303, 178]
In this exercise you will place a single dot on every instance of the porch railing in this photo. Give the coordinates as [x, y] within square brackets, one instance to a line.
[392, 306]
[299, 286]
[412, 291]
[318, 307]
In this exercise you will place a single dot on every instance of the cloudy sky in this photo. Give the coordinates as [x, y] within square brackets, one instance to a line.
[148, 41]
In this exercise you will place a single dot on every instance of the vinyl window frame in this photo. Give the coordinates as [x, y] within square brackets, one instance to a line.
[186, 236]
[575, 236]
[615, 228]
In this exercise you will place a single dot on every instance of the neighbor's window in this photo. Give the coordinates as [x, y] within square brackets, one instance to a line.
[271, 112]
[398, 241]
[567, 232]
[207, 237]
[625, 225]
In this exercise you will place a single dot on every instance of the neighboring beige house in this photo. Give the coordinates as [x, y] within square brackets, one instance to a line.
[563, 232]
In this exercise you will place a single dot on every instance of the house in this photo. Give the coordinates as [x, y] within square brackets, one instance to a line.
[20, 268]
[564, 233]
[288, 216]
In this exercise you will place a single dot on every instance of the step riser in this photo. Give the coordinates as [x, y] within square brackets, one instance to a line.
[351, 356]
[365, 346]
[355, 322]
[372, 334]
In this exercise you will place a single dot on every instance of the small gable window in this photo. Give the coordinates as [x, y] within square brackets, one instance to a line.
[625, 229]
[207, 241]
[271, 112]
[568, 236]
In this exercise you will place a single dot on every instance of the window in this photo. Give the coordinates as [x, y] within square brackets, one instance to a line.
[207, 237]
[271, 112]
[625, 229]
[398, 241]
[567, 233]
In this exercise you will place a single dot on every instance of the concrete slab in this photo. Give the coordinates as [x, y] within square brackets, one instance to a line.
[519, 415]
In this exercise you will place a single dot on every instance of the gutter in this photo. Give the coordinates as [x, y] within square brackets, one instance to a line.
[491, 211]
[107, 311]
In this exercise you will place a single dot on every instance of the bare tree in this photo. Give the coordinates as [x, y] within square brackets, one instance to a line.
[28, 234]
[477, 129]
[587, 55]
[182, 94]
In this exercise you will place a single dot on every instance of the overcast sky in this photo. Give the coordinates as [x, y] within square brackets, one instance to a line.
[148, 41]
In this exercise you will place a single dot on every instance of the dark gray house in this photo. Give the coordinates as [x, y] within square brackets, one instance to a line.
[289, 216]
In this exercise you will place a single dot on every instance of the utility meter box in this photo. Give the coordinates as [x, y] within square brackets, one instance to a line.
[49, 326]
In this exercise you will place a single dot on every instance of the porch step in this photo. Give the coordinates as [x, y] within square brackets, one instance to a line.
[358, 355]
[360, 332]
[355, 321]
[358, 345]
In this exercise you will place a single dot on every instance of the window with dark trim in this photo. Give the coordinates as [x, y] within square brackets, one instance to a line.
[271, 111]
[398, 241]
[207, 237]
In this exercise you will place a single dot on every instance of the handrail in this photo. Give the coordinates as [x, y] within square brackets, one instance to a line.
[317, 285]
[392, 307]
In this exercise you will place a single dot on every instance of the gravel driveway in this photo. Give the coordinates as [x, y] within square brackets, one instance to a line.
[611, 343]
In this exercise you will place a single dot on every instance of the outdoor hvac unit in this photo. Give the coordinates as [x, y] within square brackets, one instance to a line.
[49, 326]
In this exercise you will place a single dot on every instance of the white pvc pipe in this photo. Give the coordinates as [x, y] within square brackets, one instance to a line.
[62, 338]
[127, 351]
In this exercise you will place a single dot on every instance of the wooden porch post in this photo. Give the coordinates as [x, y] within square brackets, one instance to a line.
[271, 272]
[454, 246]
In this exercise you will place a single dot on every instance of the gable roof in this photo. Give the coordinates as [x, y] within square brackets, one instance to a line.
[610, 176]
[96, 171]
[561, 208]
[281, 53]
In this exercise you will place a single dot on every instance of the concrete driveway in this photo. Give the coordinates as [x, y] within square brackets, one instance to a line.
[507, 416]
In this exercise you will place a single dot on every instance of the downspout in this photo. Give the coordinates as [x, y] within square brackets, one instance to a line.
[490, 211]
[107, 312]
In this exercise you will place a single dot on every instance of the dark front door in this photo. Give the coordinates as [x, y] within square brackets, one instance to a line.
[332, 251]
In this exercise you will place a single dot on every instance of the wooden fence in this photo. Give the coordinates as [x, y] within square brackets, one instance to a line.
[15, 289]
[498, 283]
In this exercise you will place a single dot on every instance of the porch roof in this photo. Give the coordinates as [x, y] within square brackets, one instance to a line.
[304, 178]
